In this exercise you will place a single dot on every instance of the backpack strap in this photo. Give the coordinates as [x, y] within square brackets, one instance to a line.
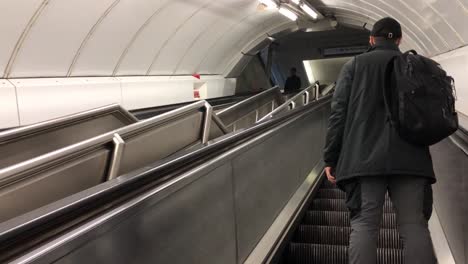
[411, 51]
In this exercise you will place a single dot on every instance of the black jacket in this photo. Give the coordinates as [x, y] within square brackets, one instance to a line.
[293, 83]
[360, 140]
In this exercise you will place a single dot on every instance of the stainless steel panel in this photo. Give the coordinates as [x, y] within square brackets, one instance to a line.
[268, 174]
[29, 142]
[188, 222]
[216, 213]
[451, 194]
[160, 141]
[246, 121]
[30, 192]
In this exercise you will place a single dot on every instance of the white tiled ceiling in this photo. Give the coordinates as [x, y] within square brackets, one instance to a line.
[60, 38]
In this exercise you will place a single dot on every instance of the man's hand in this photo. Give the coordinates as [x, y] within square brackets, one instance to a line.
[331, 178]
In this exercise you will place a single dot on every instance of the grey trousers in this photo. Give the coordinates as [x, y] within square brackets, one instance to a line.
[365, 199]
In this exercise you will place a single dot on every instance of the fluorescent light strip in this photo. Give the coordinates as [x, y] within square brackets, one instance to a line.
[269, 3]
[288, 13]
[309, 10]
[296, 1]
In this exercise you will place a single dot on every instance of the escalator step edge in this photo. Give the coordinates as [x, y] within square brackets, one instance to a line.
[334, 254]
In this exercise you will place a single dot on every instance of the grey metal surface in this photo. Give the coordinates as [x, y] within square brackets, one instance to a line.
[268, 174]
[28, 191]
[204, 215]
[271, 242]
[451, 194]
[160, 141]
[231, 115]
[37, 182]
[184, 226]
[28, 142]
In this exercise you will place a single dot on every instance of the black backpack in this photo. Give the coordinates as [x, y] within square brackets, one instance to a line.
[420, 99]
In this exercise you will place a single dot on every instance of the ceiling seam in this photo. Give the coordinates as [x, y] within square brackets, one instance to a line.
[368, 16]
[137, 34]
[448, 24]
[179, 27]
[235, 45]
[424, 47]
[233, 26]
[232, 63]
[202, 33]
[417, 43]
[89, 35]
[423, 19]
[414, 24]
[22, 38]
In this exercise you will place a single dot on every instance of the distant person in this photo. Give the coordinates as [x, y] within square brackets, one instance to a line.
[293, 83]
[366, 156]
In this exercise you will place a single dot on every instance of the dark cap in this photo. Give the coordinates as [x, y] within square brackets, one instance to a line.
[388, 28]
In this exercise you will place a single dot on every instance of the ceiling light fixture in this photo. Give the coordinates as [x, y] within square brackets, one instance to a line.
[309, 10]
[296, 1]
[269, 3]
[288, 13]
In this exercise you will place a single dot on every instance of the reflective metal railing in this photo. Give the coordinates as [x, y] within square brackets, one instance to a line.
[21, 144]
[47, 178]
[247, 112]
[223, 205]
[303, 98]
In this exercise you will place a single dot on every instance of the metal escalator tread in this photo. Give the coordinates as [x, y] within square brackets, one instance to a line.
[340, 205]
[323, 235]
[339, 235]
[334, 218]
[300, 253]
[335, 193]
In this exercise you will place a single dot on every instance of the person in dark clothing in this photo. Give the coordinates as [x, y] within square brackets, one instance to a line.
[293, 83]
[366, 158]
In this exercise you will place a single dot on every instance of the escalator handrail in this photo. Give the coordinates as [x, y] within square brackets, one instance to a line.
[289, 102]
[94, 197]
[7, 174]
[212, 101]
[23, 131]
[245, 106]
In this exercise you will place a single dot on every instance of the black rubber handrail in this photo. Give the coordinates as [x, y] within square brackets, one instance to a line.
[88, 204]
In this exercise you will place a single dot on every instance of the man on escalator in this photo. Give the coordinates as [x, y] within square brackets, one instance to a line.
[293, 82]
[366, 157]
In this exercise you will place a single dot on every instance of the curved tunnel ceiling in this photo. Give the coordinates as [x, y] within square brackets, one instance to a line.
[62, 38]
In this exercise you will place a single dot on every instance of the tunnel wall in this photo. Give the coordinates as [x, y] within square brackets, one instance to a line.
[27, 101]
[456, 64]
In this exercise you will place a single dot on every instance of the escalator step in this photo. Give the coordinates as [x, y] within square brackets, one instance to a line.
[332, 254]
[331, 194]
[336, 218]
[335, 194]
[335, 235]
[339, 205]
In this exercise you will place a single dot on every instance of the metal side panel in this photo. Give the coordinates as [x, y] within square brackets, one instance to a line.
[451, 194]
[147, 147]
[202, 216]
[44, 187]
[268, 174]
[246, 121]
[191, 221]
[29, 142]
